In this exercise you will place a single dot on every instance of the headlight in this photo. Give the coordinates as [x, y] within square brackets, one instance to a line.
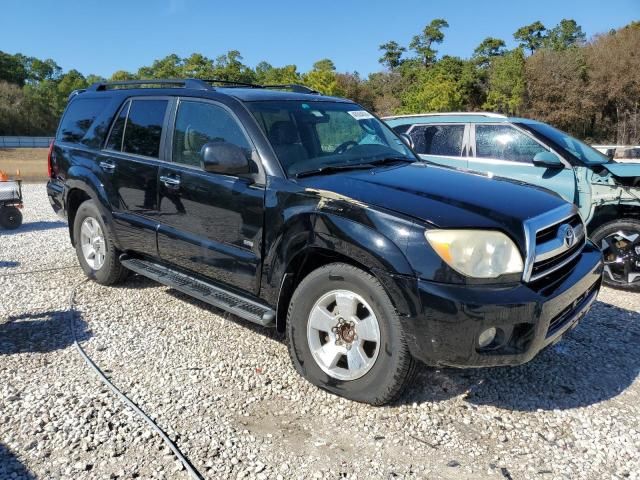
[476, 253]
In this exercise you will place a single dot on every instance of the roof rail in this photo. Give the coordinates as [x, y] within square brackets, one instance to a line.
[185, 83]
[294, 88]
[436, 114]
[195, 83]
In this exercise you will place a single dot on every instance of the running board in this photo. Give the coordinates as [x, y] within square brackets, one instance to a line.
[238, 305]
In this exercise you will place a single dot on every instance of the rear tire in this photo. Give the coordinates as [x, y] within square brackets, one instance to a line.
[619, 241]
[367, 358]
[96, 252]
[10, 217]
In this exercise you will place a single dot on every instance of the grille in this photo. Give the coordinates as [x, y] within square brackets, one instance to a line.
[556, 240]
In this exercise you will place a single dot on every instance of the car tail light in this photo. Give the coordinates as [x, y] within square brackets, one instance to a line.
[50, 160]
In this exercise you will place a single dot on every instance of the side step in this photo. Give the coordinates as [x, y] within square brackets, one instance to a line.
[238, 305]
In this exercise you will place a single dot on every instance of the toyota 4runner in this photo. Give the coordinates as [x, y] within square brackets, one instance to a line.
[307, 213]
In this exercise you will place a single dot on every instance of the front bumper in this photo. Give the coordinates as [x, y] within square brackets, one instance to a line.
[530, 317]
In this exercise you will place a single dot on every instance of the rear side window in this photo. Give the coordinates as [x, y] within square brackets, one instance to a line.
[79, 117]
[504, 142]
[438, 139]
[138, 128]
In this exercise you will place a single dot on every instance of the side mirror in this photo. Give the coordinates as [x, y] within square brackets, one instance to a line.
[225, 158]
[407, 139]
[547, 159]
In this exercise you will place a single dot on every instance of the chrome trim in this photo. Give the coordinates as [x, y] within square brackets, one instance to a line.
[533, 278]
[445, 114]
[533, 225]
[557, 246]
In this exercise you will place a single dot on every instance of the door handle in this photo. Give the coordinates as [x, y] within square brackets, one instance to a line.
[171, 182]
[108, 167]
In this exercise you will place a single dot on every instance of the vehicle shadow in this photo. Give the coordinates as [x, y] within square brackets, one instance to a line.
[11, 467]
[593, 363]
[33, 227]
[42, 332]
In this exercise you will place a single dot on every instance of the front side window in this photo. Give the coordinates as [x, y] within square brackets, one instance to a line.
[199, 123]
[308, 136]
[503, 142]
[438, 139]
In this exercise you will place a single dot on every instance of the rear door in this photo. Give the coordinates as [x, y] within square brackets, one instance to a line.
[442, 143]
[502, 150]
[210, 224]
[130, 162]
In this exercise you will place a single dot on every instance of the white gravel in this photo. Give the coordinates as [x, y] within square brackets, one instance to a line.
[225, 391]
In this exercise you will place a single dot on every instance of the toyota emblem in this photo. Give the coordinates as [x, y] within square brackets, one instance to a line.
[568, 235]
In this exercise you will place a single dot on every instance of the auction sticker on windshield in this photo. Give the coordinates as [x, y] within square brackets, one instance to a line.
[360, 114]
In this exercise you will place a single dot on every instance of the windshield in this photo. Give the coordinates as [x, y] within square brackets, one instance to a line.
[311, 136]
[566, 144]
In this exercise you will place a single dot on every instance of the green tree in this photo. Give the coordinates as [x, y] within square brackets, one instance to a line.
[167, 67]
[531, 36]
[566, 34]
[267, 74]
[322, 77]
[506, 83]
[122, 75]
[392, 54]
[12, 69]
[229, 67]
[351, 86]
[490, 47]
[423, 44]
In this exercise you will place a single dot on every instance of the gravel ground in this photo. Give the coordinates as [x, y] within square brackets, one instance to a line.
[225, 391]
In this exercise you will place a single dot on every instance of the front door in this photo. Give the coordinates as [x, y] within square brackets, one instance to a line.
[210, 224]
[502, 150]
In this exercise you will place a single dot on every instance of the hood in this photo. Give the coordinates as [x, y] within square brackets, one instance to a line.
[441, 196]
[623, 170]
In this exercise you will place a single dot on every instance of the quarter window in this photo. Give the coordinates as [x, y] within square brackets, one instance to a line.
[504, 142]
[198, 123]
[79, 117]
[438, 140]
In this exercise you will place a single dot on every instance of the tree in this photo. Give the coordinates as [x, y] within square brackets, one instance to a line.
[167, 67]
[12, 69]
[392, 54]
[490, 47]
[423, 44]
[531, 36]
[229, 67]
[566, 34]
[351, 86]
[506, 83]
[267, 74]
[322, 77]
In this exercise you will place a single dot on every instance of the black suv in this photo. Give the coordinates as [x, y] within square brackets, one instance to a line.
[307, 213]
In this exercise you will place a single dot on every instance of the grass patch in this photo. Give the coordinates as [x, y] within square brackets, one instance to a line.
[32, 163]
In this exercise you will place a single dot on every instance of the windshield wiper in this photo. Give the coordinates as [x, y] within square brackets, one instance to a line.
[334, 168]
[353, 166]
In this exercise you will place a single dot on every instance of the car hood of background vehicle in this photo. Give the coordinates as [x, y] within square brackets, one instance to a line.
[444, 197]
[623, 170]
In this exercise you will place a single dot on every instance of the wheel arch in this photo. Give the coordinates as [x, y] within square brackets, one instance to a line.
[607, 213]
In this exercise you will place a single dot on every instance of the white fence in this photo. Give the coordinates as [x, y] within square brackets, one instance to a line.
[25, 142]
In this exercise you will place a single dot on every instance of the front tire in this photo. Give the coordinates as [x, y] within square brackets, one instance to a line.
[10, 217]
[344, 335]
[619, 241]
[96, 252]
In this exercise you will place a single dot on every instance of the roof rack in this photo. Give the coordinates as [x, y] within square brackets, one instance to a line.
[436, 114]
[185, 83]
[195, 83]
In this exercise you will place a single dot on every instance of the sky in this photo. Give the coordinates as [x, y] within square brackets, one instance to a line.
[101, 37]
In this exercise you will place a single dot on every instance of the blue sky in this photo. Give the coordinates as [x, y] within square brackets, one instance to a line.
[102, 37]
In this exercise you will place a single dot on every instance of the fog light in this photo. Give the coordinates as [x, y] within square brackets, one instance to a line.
[487, 337]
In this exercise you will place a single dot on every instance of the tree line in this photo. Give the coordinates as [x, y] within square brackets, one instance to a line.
[588, 87]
